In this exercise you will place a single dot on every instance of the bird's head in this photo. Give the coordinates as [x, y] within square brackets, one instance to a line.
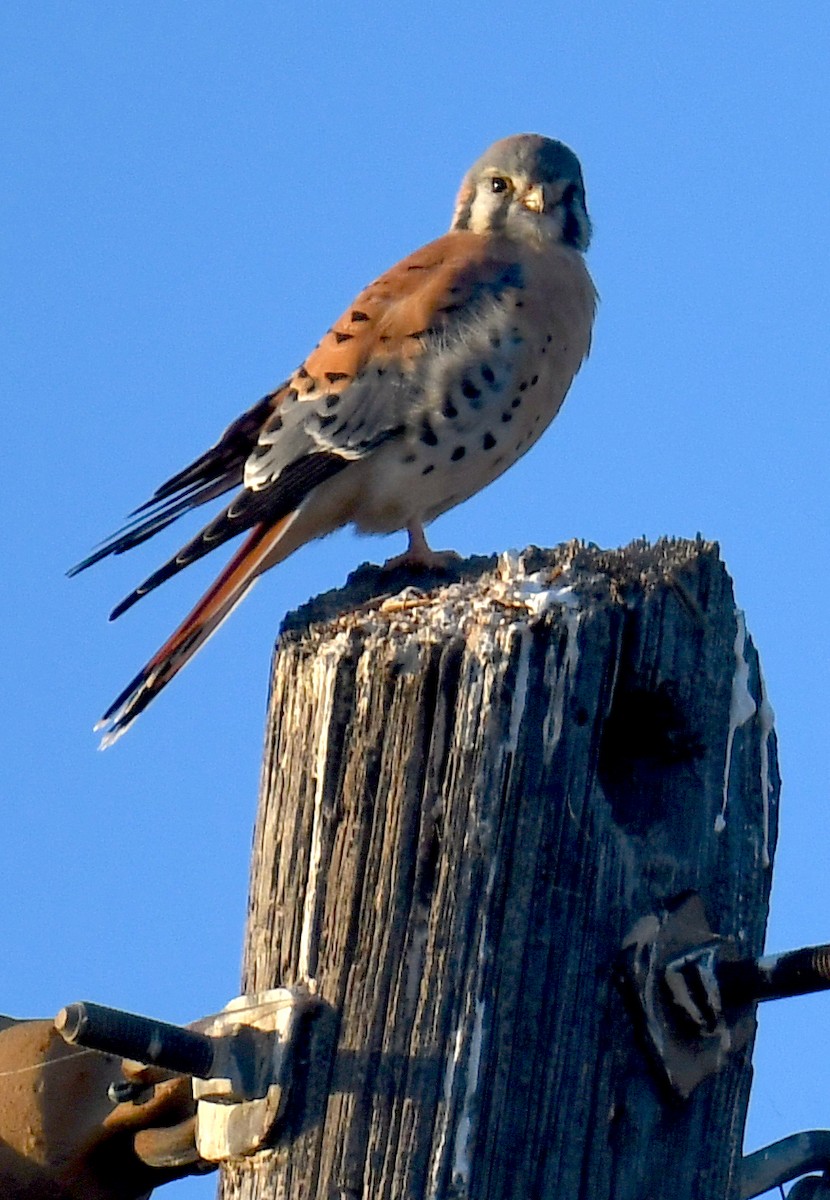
[528, 187]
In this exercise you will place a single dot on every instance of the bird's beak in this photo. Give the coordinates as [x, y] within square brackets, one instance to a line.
[534, 199]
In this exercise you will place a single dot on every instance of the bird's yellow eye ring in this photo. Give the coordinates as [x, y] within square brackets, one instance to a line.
[498, 183]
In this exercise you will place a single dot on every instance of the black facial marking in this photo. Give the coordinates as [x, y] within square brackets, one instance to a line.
[469, 389]
[458, 453]
[332, 401]
[448, 408]
[326, 421]
[506, 416]
[488, 374]
[336, 376]
[342, 337]
[408, 458]
[495, 341]
[571, 231]
[302, 373]
[428, 435]
[450, 308]
[427, 470]
[523, 386]
[381, 371]
[357, 315]
[489, 441]
[515, 402]
[534, 381]
[275, 424]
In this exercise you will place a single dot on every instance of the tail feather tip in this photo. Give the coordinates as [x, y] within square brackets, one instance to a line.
[109, 739]
[125, 708]
[115, 726]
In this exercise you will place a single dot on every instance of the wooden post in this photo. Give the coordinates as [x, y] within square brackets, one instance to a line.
[469, 797]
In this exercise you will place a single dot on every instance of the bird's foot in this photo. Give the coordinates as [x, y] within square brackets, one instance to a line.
[418, 560]
[419, 557]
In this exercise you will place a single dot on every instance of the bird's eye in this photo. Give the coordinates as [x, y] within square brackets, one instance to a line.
[499, 184]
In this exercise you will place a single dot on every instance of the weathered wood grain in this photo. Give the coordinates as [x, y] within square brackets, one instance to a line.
[469, 795]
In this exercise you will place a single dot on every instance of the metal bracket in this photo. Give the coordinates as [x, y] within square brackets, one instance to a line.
[240, 1061]
[684, 1025]
[694, 997]
[240, 1103]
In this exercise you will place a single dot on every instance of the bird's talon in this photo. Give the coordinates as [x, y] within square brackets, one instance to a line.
[419, 560]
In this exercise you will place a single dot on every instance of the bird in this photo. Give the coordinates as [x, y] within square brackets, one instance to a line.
[434, 381]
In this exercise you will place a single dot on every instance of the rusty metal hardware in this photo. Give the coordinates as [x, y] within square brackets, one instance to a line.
[775, 976]
[694, 997]
[154, 1043]
[240, 1061]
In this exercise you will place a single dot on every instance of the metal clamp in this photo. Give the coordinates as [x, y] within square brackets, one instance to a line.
[692, 994]
[240, 1103]
[239, 1060]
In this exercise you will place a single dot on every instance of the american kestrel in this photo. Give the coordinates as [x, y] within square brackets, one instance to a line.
[438, 377]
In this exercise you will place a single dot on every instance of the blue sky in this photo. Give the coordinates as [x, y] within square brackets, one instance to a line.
[196, 192]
